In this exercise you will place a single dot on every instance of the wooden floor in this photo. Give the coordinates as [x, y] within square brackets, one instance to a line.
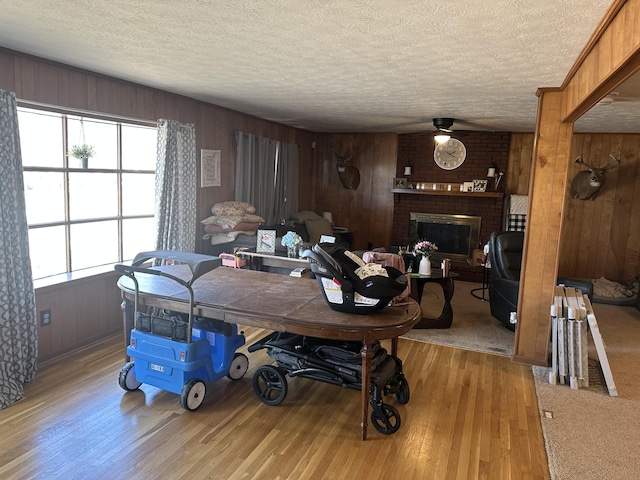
[470, 416]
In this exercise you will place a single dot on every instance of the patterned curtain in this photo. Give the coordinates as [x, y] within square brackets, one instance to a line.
[267, 176]
[176, 187]
[18, 319]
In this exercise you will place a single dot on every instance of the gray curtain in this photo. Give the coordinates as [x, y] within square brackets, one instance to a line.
[267, 176]
[176, 186]
[18, 319]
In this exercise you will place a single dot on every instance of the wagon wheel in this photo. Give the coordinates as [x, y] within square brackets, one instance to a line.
[239, 366]
[192, 394]
[403, 393]
[387, 421]
[270, 385]
[127, 378]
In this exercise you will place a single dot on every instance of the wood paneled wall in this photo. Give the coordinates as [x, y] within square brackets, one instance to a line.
[39, 80]
[74, 305]
[599, 237]
[82, 311]
[367, 210]
[520, 152]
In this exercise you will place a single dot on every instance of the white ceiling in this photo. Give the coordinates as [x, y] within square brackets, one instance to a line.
[326, 65]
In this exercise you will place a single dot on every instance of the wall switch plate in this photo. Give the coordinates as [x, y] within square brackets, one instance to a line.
[45, 318]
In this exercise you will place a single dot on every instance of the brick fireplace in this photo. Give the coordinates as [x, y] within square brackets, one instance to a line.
[483, 148]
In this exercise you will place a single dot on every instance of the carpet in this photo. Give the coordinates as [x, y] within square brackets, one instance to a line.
[473, 327]
[587, 433]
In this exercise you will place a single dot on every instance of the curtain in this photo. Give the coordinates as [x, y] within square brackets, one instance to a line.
[176, 187]
[18, 319]
[267, 176]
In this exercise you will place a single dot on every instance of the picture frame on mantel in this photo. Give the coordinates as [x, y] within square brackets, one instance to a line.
[400, 183]
[480, 185]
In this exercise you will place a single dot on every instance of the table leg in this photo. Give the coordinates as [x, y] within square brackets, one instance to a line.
[446, 317]
[367, 357]
[394, 346]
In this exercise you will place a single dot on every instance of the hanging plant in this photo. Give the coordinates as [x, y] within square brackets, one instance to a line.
[83, 153]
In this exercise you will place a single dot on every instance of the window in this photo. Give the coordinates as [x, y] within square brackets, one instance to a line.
[86, 216]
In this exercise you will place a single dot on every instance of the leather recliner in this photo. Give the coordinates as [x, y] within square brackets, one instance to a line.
[505, 256]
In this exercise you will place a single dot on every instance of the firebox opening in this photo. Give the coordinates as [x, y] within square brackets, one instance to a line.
[455, 235]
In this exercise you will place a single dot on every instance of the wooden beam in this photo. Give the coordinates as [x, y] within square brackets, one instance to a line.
[547, 187]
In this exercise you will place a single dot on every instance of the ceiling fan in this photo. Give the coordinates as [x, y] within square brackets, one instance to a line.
[443, 129]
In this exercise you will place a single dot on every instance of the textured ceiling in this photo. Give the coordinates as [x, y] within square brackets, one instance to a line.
[323, 65]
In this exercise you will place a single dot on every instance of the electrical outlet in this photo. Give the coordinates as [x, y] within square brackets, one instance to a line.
[45, 318]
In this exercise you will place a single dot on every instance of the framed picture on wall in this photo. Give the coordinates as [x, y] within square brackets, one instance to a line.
[209, 168]
[480, 185]
[399, 183]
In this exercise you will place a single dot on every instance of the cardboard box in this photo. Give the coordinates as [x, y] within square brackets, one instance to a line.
[477, 259]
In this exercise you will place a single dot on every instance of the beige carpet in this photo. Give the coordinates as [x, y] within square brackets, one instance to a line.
[473, 327]
[588, 434]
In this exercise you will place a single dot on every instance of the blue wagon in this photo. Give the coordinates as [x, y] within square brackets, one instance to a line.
[179, 352]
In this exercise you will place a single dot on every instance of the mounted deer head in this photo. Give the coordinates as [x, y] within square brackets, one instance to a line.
[587, 183]
[349, 175]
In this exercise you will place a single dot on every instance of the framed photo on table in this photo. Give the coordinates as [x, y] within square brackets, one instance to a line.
[266, 241]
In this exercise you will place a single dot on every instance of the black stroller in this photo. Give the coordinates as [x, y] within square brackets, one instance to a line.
[334, 361]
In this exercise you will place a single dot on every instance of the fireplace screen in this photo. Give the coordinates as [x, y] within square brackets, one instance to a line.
[455, 235]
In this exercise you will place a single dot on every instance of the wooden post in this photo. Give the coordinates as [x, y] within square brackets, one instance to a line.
[547, 188]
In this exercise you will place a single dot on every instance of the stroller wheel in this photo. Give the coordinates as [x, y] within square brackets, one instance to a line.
[403, 393]
[239, 366]
[385, 419]
[270, 385]
[192, 394]
[127, 378]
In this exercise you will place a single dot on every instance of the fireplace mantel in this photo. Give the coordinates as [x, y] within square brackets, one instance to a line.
[414, 191]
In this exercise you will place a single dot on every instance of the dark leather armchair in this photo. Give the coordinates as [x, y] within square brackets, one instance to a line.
[505, 255]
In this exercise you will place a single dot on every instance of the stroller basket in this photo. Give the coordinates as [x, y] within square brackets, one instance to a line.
[337, 272]
[335, 362]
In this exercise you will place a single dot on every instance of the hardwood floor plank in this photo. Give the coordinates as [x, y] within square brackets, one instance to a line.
[470, 415]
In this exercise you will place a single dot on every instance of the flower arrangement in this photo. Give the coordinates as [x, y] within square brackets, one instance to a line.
[424, 248]
[291, 239]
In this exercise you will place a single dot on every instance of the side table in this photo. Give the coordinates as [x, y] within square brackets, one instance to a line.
[417, 286]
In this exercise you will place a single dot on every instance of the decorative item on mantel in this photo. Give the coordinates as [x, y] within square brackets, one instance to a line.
[424, 249]
[291, 240]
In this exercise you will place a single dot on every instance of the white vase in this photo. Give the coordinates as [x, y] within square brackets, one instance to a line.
[425, 266]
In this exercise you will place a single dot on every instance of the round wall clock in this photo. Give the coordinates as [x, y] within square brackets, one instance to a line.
[450, 154]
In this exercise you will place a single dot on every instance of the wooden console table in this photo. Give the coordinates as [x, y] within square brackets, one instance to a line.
[273, 302]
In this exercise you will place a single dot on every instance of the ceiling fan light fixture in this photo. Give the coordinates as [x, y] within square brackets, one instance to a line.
[441, 137]
[442, 133]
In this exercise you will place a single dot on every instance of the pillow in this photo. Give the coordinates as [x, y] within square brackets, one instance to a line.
[227, 221]
[318, 227]
[242, 226]
[231, 221]
[302, 216]
[232, 208]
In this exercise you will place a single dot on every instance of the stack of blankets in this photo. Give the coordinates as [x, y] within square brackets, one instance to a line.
[229, 220]
[517, 217]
